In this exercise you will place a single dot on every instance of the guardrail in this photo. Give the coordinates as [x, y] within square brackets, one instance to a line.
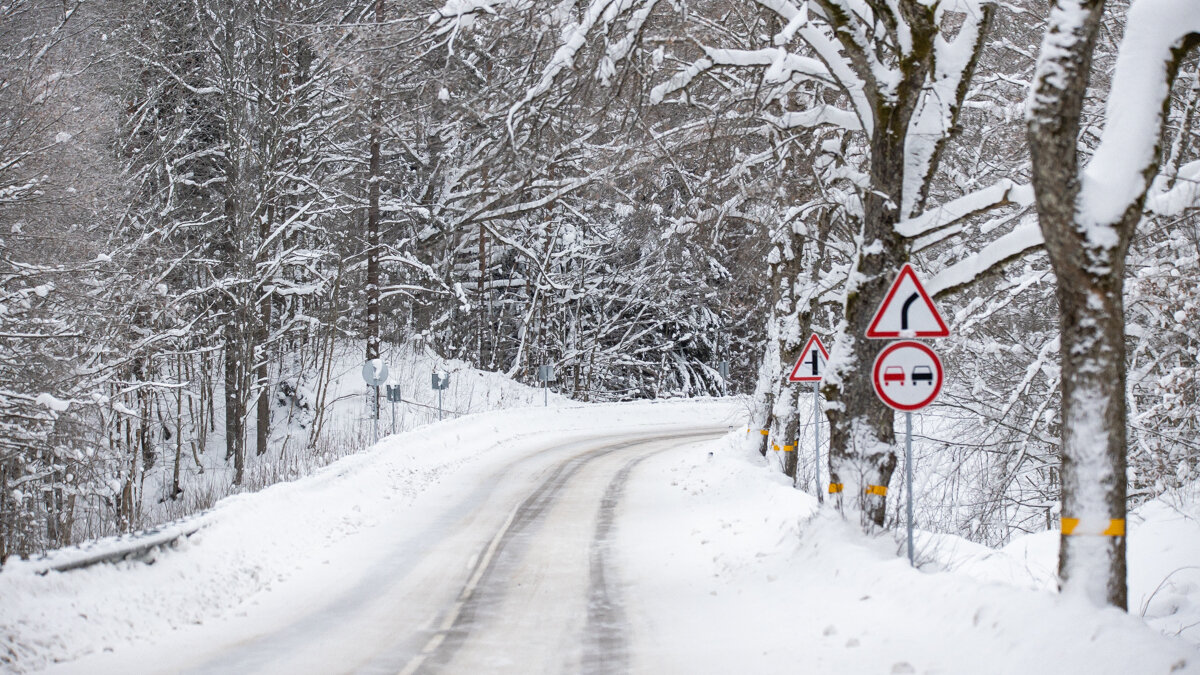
[137, 546]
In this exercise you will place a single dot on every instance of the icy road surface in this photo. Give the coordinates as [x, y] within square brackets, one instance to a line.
[511, 577]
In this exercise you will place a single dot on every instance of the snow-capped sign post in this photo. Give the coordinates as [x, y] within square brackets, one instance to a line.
[440, 382]
[375, 373]
[907, 375]
[810, 367]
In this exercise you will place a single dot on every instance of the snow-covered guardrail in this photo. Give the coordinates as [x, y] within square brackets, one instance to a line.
[137, 546]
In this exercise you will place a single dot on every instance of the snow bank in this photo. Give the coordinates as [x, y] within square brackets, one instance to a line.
[746, 574]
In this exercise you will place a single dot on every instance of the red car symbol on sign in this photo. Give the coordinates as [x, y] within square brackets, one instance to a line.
[893, 374]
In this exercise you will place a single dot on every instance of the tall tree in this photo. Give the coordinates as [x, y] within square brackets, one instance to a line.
[1088, 218]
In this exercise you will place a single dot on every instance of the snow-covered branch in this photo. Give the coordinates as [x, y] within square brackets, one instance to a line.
[1001, 193]
[1121, 169]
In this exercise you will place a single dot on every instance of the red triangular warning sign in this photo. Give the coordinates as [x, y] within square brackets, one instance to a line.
[907, 311]
[810, 367]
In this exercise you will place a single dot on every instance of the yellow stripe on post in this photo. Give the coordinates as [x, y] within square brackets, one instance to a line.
[880, 490]
[835, 488]
[1116, 528]
[764, 432]
[789, 448]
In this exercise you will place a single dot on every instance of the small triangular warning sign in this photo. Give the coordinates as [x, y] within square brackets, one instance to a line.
[907, 311]
[810, 367]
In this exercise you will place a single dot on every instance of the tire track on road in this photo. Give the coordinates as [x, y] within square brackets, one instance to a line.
[604, 638]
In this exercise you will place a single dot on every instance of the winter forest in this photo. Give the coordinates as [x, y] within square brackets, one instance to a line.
[208, 208]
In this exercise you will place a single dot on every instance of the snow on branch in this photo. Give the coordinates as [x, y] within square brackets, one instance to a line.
[600, 12]
[460, 11]
[937, 111]
[828, 50]
[1001, 193]
[1118, 173]
[1024, 238]
[1184, 195]
[620, 49]
[816, 116]
[541, 202]
[780, 64]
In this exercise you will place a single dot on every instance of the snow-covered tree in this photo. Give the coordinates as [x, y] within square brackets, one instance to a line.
[1088, 216]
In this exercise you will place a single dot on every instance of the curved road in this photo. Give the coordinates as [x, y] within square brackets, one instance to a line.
[513, 576]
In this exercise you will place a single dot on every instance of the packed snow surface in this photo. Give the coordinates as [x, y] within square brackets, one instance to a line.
[715, 564]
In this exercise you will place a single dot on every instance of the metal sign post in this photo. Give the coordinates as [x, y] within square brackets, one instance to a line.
[723, 371]
[375, 373]
[908, 480]
[393, 396]
[908, 376]
[546, 376]
[817, 441]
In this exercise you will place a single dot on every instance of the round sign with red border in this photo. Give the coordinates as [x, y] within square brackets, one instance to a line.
[907, 375]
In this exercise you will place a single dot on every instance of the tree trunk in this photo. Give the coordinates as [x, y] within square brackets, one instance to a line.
[262, 365]
[1090, 319]
[1092, 323]
[234, 435]
[373, 178]
[792, 336]
[862, 439]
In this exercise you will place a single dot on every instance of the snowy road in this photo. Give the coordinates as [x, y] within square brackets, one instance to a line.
[512, 576]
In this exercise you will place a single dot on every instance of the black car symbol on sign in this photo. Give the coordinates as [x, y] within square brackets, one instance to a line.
[922, 374]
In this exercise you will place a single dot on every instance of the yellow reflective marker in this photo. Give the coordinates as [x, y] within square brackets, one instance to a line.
[776, 447]
[789, 448]
[880, 490]
[835, 488]
[1116, 528]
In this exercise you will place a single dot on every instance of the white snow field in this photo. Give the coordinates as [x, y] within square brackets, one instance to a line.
[639, 538]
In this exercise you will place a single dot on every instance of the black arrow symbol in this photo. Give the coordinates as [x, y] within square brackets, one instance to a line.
[904, 310]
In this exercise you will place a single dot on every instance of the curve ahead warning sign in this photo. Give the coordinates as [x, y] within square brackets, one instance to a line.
[907, 375]
[907, 311]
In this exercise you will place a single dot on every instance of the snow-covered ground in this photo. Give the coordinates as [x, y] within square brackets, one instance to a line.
[719, 566]
[749, 575]
[347, 425]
